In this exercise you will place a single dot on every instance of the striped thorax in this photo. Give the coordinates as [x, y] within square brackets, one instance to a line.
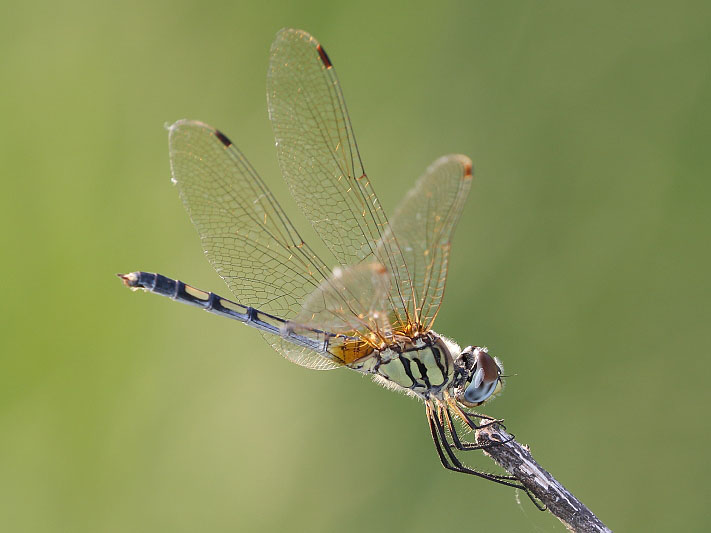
[421, 366]
[427, 367]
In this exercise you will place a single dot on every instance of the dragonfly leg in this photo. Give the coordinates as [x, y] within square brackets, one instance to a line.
[469, 419]
[446, 416]
[451, 462]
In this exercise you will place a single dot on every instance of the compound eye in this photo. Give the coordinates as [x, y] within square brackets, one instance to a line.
[484, 381]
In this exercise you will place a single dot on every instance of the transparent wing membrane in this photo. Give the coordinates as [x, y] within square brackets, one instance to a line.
[352, 300]
[245, 234]
[349, 305]
[316, 148]
[319, 158]
[423, 225]
[303, 356]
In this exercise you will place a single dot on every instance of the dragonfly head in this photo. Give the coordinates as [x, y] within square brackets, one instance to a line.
[478, 376]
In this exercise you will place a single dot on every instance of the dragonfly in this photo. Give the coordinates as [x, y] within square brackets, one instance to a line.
[374, 312]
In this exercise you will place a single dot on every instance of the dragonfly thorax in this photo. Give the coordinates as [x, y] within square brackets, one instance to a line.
[423, 366]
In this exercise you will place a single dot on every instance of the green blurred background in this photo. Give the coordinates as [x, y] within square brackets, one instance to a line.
[582, 261]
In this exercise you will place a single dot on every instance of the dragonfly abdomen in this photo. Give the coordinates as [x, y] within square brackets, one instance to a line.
[212, 303]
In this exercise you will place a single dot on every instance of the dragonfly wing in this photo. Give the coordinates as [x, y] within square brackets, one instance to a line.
[423, 225]
[345, 313]
[350, 305]
[352, 299]
[303, 356]
[245, 233]
[319, 158]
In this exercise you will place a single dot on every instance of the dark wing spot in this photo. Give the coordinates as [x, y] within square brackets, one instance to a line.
[468, 170]
[223, 138]
[324, 56]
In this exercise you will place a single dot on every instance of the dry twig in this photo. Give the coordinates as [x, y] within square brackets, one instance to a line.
[518, 461]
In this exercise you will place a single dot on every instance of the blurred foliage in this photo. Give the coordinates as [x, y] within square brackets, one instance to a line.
[582, 261]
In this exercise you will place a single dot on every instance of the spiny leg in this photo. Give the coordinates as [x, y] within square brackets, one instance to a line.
[468, 418]
[453, 457]
[442, 446]
[457, 466]
[458, 444]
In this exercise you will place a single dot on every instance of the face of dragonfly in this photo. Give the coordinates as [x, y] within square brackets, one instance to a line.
[479, 376]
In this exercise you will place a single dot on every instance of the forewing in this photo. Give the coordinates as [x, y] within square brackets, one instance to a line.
[319, 158]
[245, 234]
[423, 225]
